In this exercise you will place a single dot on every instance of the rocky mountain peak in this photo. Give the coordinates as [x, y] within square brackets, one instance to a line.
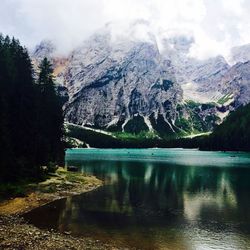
[45, 49]
[120, 83]
[240, 54]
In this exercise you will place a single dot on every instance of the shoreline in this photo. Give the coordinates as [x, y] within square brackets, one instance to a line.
[16, 233]
[59, 185]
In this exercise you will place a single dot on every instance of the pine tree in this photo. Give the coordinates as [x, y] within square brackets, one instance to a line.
[17, 110]
[31, 119]
[50, 116]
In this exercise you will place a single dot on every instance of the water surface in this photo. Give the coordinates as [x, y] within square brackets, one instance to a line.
[158, 199]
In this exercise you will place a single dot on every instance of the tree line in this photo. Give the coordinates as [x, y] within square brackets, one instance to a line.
[31, 118]
[233, 134]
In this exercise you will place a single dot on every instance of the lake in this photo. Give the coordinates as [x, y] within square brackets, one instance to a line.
[157, 199]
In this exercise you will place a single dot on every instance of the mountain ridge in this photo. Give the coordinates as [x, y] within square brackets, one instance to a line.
[132, 86]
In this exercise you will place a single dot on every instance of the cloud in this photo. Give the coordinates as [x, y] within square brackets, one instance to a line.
[215, 25]
[66, 22]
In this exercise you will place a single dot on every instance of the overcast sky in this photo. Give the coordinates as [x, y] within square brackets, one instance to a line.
[216, 25]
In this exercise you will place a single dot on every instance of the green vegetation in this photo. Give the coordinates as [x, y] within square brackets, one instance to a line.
[72, 177]
[163, 128]
[94, 139]
[127, 140]
[140, 136]
[12, 189]
[193, 118]
[74, 143]
[191, 104]
[225, 99]
[233, 133]
[195, 121]
[50, 125]
[136, 125]
[118, 140]
[31, 120]
[184, 124]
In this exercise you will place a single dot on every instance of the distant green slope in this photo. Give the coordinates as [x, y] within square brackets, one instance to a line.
[97, 139]
[233, 133]
[78, 136]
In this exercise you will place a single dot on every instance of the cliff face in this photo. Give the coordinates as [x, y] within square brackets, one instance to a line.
[118, 82]
[132, 85]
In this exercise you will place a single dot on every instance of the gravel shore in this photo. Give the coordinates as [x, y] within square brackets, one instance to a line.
[15, 233]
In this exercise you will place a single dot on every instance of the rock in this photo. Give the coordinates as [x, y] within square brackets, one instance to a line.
[67, 233]
[44, 168]
[130, 80]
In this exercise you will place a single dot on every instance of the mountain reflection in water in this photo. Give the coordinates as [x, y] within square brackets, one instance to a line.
[157, 204]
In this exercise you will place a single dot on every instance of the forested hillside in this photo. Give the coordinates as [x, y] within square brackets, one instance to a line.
[233, 133]
[30, 115]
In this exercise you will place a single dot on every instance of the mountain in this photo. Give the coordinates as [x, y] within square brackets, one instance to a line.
[132, 85]
[236, 83]
[240, 54]
[45, 49]
[121, 86]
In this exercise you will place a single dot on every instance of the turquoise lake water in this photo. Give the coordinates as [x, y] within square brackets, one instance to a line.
[157, 199]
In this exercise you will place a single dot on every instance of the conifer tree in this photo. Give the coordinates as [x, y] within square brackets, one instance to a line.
[31, 119]
[17, 111]
[50, 115]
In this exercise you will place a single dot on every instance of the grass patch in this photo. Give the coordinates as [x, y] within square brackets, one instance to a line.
[48, 189]
[140, 136]
[225, 99]
[72, 177]
[192, 105]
